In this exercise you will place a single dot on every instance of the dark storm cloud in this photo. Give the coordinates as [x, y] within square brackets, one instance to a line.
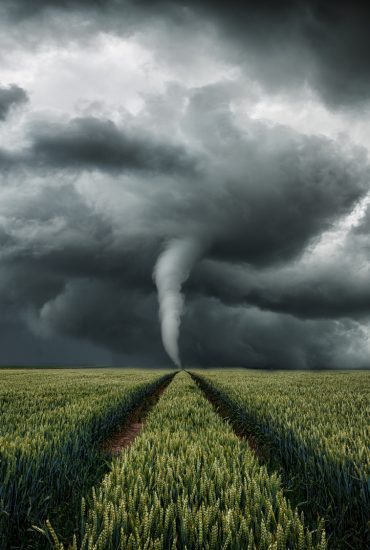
[10, 97]
[218, 335]
[303, 291]
[315, 299]
[87, 204]
[121, 326]
[257, 195]
[77, 259]
[91, 143]
[8, 160]
[95, 143]
[272, 190]
[20, 346]
[285, 44]
[63, 278]
[326, 44]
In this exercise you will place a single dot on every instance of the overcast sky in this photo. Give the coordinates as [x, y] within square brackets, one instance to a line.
[243, 126]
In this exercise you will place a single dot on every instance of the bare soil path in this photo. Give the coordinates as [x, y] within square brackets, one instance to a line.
[225, 413]
[128, 432]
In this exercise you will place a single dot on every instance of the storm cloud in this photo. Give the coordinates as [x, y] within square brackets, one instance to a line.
[10, 97]
[240, 130]
[287, 44]
[95, 143]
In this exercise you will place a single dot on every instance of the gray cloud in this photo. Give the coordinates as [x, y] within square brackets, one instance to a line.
[22, 346]
[217, 335]
[233, 182]
[337, 290]
[289, 43]
[284, 44]
[91, 197]
[95, 143]
[77, 259]
[10, 97]
[271, 190]
[91, 143]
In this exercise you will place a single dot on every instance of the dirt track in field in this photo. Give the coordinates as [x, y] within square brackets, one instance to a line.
[227, 415]
[128, 432]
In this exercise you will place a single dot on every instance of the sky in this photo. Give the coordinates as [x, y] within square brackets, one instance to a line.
[185, 181]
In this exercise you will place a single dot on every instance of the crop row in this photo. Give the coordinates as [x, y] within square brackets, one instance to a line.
[188, 482]
[316, 427]
[51, 426]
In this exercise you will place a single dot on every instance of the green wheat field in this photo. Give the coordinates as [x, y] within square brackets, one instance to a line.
[225, 459]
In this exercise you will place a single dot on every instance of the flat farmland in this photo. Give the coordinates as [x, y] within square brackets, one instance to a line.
[52, 425]
[312, 428]
[95, 459]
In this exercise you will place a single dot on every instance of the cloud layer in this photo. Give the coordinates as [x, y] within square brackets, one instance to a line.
[287, 43]
[153, 146]
[10, 97]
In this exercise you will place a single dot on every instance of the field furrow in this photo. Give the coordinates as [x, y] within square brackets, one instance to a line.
[52, 426]
[188, 482]
[128, 431]
[315, 429]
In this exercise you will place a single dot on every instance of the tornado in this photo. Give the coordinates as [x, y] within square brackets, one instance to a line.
[170, 272]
